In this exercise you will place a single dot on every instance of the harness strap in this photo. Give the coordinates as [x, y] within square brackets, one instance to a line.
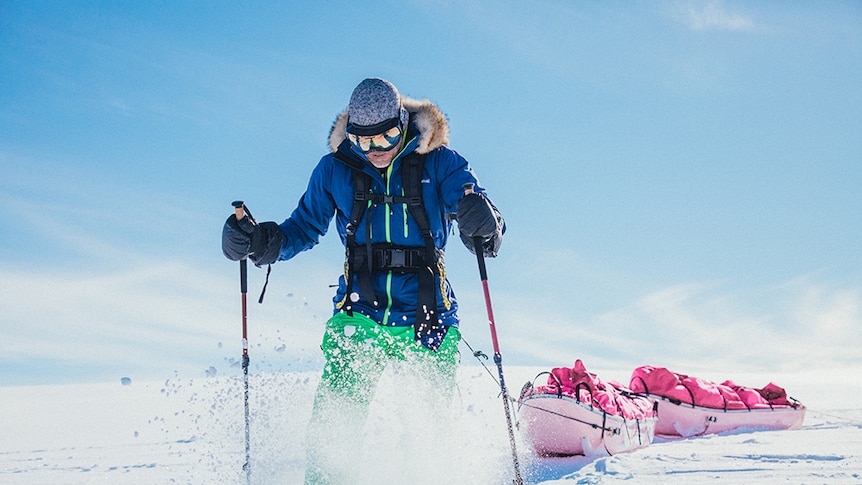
[427, 328]
[361, 188]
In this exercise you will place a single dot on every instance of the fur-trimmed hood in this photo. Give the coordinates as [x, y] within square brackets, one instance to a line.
[425, 117]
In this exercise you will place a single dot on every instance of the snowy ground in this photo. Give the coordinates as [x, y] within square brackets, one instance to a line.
[191, 431]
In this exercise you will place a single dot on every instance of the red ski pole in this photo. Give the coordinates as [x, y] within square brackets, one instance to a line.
[241, 211]
[498, 358]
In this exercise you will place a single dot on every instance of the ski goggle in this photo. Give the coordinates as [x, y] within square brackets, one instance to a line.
[381, 141]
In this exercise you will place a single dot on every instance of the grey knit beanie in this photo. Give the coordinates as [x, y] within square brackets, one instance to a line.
[373, 102]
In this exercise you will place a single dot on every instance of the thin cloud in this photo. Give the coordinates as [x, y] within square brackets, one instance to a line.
[149, 320]
[712, 15]
[702, 326]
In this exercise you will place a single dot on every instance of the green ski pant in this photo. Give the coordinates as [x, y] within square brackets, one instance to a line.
[357, 351]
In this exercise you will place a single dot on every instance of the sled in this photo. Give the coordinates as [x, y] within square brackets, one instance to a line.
[689, 406]
[576, 413]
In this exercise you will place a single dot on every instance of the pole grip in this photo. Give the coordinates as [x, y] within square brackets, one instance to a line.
[239, 209]
[242, 211]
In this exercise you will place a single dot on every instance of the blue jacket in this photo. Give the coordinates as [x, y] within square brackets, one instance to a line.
[330, 193]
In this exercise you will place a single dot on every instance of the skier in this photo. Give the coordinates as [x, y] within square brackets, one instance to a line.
[394, 187]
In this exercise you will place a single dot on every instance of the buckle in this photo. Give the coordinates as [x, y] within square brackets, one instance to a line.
[397, 258]
[394, 258]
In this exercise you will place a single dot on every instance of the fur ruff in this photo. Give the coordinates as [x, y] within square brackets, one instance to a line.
[425, 115]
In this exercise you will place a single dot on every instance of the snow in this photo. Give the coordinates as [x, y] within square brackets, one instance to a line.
[191, 431]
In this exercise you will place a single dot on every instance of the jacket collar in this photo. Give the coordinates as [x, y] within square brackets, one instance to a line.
[344, 152]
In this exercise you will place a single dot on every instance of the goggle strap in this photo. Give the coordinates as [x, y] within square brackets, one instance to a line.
[376, 129]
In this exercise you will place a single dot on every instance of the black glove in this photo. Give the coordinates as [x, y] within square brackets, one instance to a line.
[259, 242]
[478, 218]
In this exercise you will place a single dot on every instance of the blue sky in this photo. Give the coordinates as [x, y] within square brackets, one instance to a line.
[680, 179]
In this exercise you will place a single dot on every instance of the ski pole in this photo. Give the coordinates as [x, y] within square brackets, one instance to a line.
[240, 209]
[498, 358]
